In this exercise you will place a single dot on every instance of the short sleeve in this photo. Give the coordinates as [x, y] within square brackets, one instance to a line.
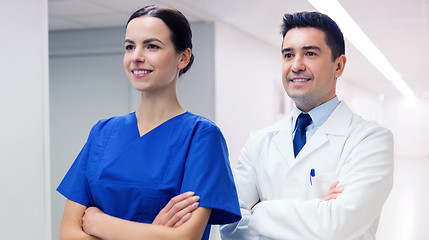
[74, 185]
[208, 174]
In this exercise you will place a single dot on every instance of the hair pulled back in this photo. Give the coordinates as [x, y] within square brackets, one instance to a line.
[181, 33]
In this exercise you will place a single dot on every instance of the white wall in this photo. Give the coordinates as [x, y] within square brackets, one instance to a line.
[24, 117]
[249, 93]
[196, 88]
[87, 83]
[408, 119]
[406, 212]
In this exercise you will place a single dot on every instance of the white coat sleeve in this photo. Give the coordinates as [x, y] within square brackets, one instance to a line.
[367, 178]
[246, 183]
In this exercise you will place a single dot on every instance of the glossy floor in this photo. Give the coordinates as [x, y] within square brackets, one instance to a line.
[406, 212]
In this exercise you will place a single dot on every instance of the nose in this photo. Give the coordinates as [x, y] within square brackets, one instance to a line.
[298, 65]
[138, 55]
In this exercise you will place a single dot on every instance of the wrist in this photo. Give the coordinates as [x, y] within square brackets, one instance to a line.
[98, 225]
[102, 225]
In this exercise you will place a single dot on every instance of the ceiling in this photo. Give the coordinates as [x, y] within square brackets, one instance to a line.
[399, 28]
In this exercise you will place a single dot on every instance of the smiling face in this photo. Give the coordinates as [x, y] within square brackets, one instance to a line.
[150, 59]
[308, 72]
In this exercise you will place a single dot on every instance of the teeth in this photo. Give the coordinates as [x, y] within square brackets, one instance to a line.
[300, 80]
[141, 72]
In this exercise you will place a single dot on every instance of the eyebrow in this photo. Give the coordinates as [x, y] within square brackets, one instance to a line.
[311, 48]
[304, 48]
[145, 41]
[286, 50]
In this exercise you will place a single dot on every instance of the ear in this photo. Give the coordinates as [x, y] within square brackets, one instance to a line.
[184, 59]
[340, 64]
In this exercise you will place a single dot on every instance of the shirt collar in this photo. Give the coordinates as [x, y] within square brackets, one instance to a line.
[319, 114]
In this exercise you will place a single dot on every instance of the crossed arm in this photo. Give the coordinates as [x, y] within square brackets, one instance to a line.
[180, 219]
[80, 222]
[333, 192]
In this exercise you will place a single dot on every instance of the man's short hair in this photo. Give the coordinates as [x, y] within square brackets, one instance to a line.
[333, 36]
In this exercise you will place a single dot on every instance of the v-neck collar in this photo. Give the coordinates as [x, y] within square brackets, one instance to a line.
[158, 126]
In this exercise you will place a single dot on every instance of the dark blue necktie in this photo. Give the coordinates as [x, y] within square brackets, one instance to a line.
[299, 140]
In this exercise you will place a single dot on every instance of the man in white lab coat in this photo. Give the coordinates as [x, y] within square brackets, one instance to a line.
[333, 187]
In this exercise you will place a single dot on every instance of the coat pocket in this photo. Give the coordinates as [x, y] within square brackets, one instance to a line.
[320, 183]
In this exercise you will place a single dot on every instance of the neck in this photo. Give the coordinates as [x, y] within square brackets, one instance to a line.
[157, 107]
[306, 105]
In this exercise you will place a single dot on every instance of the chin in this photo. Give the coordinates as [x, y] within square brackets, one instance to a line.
[139, 87]
[302, 100]
[297, 95]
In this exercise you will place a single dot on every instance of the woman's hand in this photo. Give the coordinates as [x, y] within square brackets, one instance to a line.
[174, 214]
[178, 210]
[91, 219]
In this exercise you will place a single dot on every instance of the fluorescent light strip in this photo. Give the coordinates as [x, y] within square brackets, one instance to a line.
[358, 38]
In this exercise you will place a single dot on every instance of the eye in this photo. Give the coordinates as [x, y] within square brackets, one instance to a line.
[153, 46]
[310, 54]
[288, 55]
[129, 47]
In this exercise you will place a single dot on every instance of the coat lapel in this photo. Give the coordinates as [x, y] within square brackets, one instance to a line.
[317, 140]
[283, 140]
[336, 125]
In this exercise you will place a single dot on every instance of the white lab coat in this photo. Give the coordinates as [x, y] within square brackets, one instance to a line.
[357, 152]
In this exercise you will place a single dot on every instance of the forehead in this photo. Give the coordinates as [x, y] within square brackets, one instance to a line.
[308, 36]
[147, 27]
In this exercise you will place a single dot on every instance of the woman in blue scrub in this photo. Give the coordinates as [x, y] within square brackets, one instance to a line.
[132, 166]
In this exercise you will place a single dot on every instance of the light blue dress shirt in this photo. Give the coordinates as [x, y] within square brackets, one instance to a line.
[319, 115]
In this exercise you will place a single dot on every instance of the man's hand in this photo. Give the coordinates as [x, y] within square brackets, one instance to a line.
[178, 210]
[333, 192]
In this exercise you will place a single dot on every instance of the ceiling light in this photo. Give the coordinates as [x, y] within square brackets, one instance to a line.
[358, 38]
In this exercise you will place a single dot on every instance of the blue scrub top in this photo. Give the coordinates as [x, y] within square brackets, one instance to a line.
[133, 177]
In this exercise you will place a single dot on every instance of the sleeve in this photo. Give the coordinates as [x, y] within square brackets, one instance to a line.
[367, 177]
[208, 174]
[74, 185]
[247, 189]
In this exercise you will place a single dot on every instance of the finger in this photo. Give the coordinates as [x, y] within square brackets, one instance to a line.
[177, 199]
[331, 196]
[334, 185]
[183, 204]
[333, 192]
[338, 190]
[333, 188]
[183, 220]
[178, 207]
[167, 216]
[182, 216]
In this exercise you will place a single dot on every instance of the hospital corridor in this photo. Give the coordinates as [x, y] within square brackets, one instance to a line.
[61, 71]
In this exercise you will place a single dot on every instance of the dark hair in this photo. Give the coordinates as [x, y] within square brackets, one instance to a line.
[333, 36]
[181, 34]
